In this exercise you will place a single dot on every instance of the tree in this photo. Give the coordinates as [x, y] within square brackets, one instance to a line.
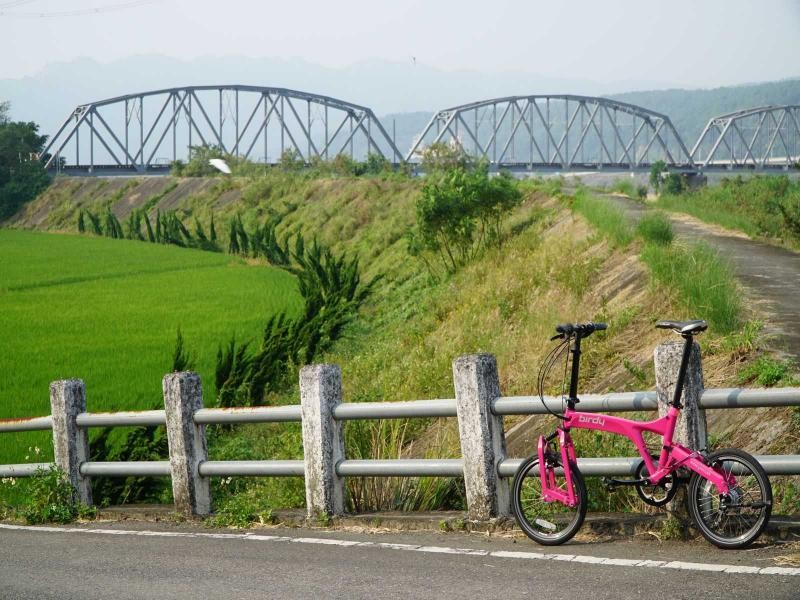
[460, 211]
[441, 156]
[656, 173]
[22, 176]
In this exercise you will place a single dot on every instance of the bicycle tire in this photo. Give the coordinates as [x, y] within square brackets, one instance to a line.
[736, 520]
[535, 517]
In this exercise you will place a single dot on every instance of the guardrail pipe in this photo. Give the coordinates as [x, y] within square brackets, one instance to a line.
[323, 444]
[183, 395]
[483, 444]
[691, 429]
[70, 442]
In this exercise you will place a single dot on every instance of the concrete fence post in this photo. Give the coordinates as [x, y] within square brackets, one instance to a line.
[483, 444]
[691, 427]
[70, 442]
[183, 395]
[323, 444]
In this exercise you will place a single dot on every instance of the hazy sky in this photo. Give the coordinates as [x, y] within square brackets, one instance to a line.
[693, 43]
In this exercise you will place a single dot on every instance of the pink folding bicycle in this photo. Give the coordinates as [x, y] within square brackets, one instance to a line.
[729, 495]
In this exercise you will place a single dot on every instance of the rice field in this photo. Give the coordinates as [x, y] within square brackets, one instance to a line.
[107, 311]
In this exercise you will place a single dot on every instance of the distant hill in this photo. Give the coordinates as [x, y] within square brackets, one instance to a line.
[690, 110]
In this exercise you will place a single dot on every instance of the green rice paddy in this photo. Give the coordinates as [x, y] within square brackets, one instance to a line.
[107, 311]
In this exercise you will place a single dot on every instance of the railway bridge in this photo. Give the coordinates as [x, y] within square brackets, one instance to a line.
[145, 132]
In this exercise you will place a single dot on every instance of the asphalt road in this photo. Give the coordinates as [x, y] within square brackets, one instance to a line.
[173, 561]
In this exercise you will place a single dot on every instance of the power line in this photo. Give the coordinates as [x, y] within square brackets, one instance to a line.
[69, 13]
[14, 3]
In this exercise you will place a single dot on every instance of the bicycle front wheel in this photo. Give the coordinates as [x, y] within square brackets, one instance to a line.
[736, 519]
[548, 523]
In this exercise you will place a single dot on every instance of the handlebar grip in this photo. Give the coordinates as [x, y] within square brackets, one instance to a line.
[600, 326]
[565, 328]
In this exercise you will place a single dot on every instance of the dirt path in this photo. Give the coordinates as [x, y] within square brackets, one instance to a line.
[770, 276]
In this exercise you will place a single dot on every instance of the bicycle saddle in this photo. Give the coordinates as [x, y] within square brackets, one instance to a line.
[683, 327]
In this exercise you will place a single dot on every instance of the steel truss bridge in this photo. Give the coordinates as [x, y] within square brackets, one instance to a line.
[756, 138]
[145, 132]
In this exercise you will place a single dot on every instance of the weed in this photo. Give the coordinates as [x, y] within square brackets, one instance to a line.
[766, 372]
[51, 499]
[624, 186]
[636, 372]
[240, 511]
[672, 529]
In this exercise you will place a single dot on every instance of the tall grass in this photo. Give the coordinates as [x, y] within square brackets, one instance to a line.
[606, 217]
[765, 207]
[702, 280]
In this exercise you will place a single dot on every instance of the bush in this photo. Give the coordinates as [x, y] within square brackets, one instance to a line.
[656, 228]
[674, 183]
[460, 212]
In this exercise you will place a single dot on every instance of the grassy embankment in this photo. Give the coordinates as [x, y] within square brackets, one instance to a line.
[553, 267]
[765, 207]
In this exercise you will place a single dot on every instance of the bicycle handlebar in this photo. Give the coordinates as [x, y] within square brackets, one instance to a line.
[582, 329]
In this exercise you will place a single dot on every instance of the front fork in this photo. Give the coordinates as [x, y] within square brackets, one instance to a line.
[547, 467]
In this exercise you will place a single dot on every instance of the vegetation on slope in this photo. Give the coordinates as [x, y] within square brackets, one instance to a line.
[763, 207]
[551, 267]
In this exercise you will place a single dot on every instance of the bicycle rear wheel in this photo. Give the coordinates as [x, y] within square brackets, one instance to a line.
[738, 518]
[548, 523]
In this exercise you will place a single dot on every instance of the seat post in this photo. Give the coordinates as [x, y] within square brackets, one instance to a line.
[576, 362]
[687, 352]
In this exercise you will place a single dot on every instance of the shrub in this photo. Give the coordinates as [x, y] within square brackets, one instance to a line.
[460, 212]
[656, 228]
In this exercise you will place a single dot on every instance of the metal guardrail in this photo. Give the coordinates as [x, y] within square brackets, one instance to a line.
[712, 399]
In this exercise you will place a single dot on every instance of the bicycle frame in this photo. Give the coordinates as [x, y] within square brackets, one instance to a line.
[672, 456]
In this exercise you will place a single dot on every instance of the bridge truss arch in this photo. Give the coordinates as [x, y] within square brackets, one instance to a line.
[762, 137]
[561, 131]
[148, 130]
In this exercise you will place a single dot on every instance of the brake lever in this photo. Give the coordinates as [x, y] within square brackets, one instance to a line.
[559, 336]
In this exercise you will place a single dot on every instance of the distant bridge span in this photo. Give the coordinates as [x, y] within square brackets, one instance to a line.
[144, 132]
[557, 131]
[754, 138]
[129, 132]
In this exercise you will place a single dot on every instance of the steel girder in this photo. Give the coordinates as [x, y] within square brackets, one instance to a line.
[766, 136]
[564, 130]
[275, 119]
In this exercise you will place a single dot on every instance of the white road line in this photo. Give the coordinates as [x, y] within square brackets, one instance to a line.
[597, 560]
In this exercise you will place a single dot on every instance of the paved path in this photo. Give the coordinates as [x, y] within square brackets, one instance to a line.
[149, 560]
[769, 275]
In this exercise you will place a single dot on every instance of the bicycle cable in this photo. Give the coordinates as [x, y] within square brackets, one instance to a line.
[547, 365]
